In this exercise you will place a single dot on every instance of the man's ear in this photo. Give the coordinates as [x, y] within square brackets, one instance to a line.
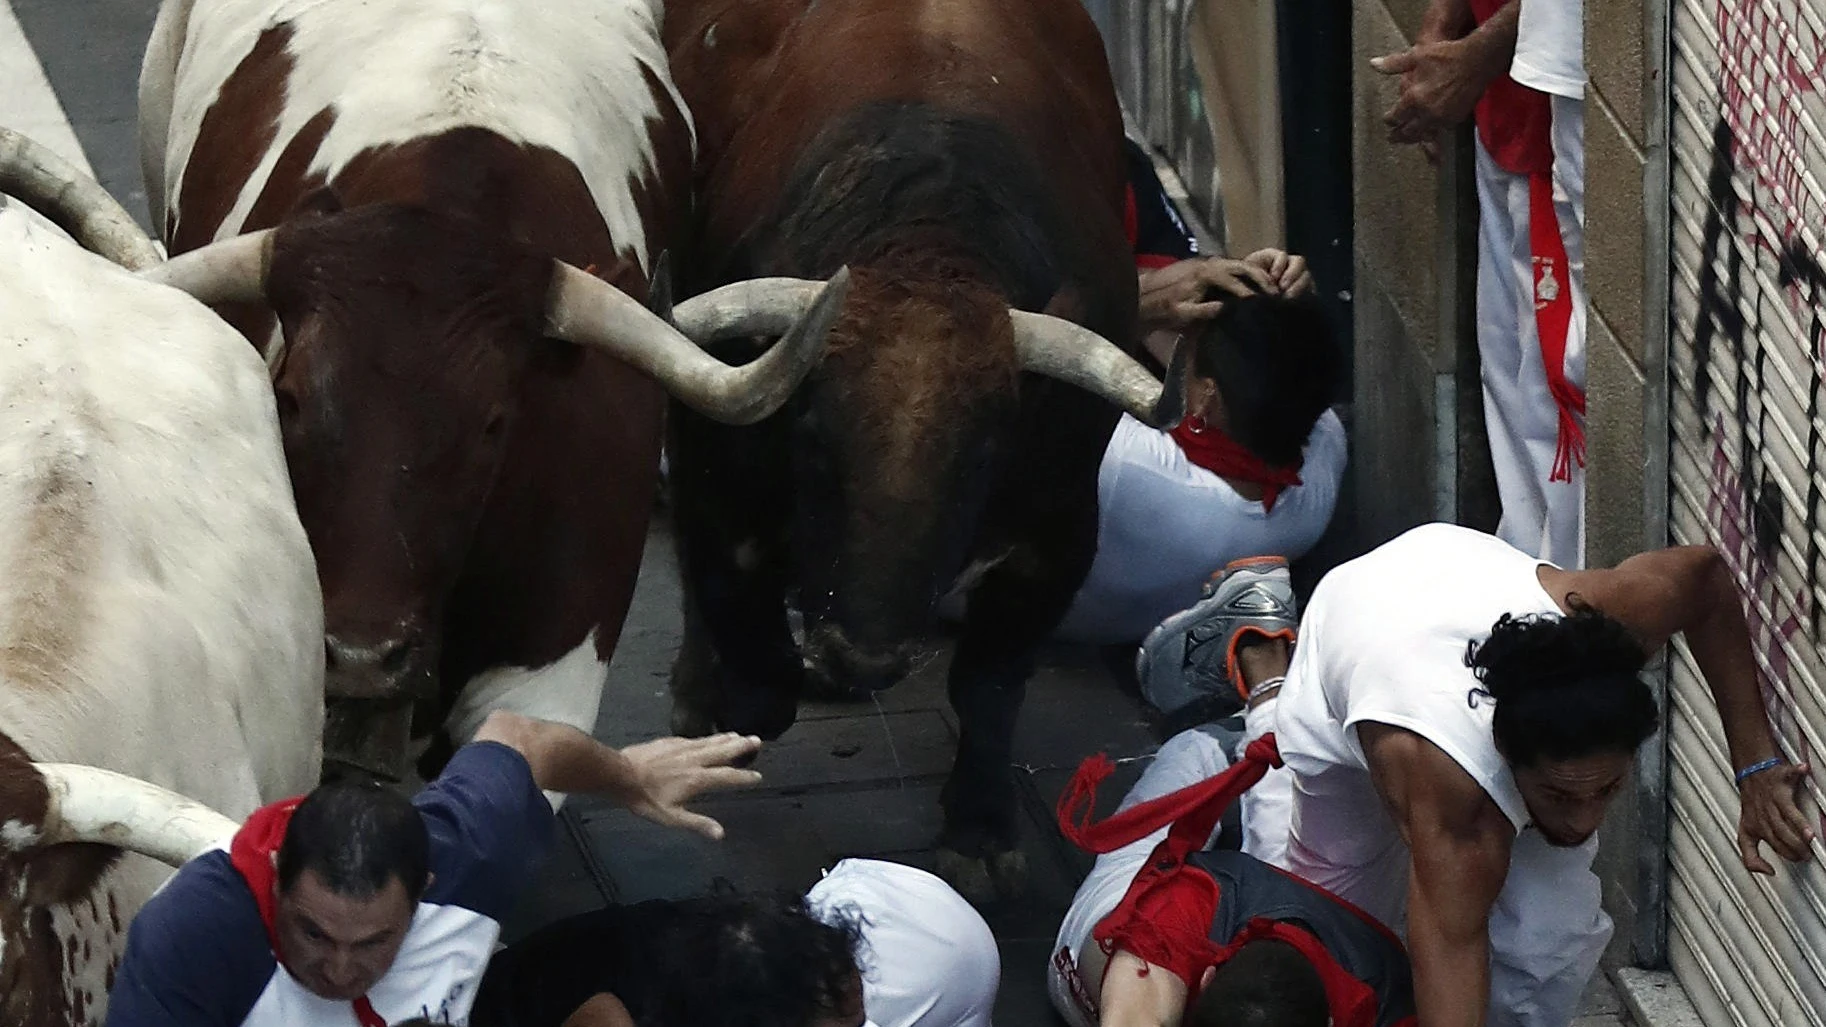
[1204, 979]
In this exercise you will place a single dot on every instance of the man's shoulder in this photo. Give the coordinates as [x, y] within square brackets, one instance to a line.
[206, 899]
[488, 822]
[197, 952]
[1414, 771]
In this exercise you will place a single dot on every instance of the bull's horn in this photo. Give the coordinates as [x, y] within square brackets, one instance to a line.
[89, 804]
[588, 311]
[1076, 355]
[758, 306]
[229, 271]
[73, 202]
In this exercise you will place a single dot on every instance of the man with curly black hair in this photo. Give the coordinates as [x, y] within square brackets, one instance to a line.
[1455, 719]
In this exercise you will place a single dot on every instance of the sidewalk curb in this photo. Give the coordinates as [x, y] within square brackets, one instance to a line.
[1654, 998]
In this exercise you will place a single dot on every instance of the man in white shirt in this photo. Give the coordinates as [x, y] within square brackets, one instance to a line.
[1454, 721]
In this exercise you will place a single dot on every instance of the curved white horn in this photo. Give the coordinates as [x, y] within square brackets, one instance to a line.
[228, 271]
[1076, 355]
[73, 202]
[89, 804]
[588, 311]
[758, 306]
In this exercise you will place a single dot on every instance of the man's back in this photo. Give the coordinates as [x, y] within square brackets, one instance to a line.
[1384, 641]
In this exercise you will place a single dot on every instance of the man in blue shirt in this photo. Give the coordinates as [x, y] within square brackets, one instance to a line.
[356, 907]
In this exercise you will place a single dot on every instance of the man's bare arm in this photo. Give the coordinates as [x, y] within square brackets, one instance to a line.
[1689, 590]
[653, 779]
[1137, 993]
[1459, 842]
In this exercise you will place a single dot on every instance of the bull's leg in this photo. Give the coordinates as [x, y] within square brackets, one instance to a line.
[1047, 504]
[979, 847]
[737, 668]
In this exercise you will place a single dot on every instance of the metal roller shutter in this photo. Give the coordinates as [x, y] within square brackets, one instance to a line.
[1747, 466]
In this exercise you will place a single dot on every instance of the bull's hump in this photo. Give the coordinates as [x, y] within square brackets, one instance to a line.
[586, 79]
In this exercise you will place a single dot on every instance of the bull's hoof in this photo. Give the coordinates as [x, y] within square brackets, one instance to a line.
[984, 880]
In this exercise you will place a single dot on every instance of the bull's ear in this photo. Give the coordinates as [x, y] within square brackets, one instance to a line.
[319, 202]
[659, 287]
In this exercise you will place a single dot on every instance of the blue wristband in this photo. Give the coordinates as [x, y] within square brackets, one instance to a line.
[1757, 768]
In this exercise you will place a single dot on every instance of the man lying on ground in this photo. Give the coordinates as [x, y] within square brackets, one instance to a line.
[872, 944]
[356, 907]
[1455, 720]
[1170, 931]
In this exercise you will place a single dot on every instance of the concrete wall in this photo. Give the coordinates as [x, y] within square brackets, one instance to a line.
[1625, 471]
[1419, 453]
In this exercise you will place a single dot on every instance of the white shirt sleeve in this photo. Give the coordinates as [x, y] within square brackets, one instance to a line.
[1550, 47]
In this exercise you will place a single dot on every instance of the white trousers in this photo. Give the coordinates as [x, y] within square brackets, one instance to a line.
[1544, 519]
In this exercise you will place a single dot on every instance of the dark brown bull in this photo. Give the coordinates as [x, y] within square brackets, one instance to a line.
[964, 158]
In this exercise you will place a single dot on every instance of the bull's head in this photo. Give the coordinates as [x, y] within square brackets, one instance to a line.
[896, 442]
[61, 827]
[413, 345]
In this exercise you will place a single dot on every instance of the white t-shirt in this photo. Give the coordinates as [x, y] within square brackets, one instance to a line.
[1384, 640]
[1550, 47]
[1165, 525]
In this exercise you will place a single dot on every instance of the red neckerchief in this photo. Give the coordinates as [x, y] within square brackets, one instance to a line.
[1210, 448]
[252, 853]
[1515, 124]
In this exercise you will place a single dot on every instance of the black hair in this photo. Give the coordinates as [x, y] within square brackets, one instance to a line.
[1565, 687]
[1266, 983]
[751, 961]
[1278, 367]
[356, 835]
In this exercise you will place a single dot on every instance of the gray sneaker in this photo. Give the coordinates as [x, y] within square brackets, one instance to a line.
[1191, 656]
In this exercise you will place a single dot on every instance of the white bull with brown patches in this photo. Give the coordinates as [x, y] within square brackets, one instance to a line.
[393, 199]
[159, 608]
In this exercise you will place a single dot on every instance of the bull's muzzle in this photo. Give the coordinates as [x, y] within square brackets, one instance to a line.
[838, 667]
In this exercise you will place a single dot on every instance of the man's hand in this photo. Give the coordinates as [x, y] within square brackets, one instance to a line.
[670, 772]
[654, 779]
[1172, 297]
[1442, 78]
[1770, 814]
[1288, 271]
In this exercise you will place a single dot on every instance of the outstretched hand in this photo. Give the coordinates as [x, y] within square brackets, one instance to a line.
[1770, 814]
[670, 772]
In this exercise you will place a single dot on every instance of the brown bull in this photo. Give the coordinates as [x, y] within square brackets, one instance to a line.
[394, 200]
[964, 157]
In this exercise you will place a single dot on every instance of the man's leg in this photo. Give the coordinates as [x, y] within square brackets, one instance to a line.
[1548, 930]
[1565, 528]
[1267, 807]
[1235, 642]
[1519, 413]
